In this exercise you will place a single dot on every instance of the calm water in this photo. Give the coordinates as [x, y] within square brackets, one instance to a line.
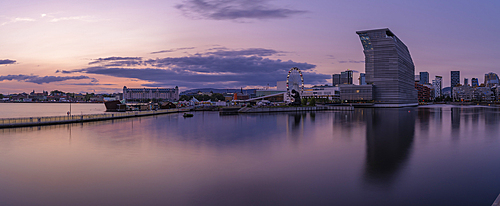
[416, 156]
[13, 110]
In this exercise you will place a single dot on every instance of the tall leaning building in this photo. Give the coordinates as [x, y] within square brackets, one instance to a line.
[389, 68]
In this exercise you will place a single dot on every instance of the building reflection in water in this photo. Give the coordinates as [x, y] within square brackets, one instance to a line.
[389, 138]
[456, 113]
[295, 126]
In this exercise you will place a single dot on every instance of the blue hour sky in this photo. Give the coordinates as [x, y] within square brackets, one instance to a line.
[78, 46]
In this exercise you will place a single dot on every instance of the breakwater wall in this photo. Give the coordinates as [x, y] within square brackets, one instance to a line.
[39, 121]
[294, 109]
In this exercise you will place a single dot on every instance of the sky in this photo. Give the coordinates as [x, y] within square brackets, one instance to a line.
[101, 46]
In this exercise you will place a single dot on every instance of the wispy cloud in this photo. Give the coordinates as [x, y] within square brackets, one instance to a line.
[172, 50]
[7, 61]
[77, 18]
[234, 9]
[244, 52]
[108, 59]
[40, 80]
[17, 19]
[88, 84]
[352, 62]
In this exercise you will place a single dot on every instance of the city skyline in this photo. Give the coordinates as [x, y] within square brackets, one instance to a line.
[105, 45]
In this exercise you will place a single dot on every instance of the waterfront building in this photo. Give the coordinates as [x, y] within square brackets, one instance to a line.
[436, 85]
[329, 92]
[483, 94]
[466, 82]
[139, 94]
[353, 92]
[424, 78]
[362, 79]
[346, 77]
[491, 79]
[455, 79]
[389, 67]
[463, 93]
[474, 82]
[336, 79]
[424, 92]
[240, 96]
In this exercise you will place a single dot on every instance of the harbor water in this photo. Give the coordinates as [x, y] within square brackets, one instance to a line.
[434, 155]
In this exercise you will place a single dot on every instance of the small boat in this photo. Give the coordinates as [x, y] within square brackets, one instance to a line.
[187, 115]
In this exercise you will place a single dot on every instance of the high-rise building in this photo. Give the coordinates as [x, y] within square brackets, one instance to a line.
[417, 77]
[335, 80]
[455, 79]
[474, 82]
[436, 84]
[346, 77]
[362, 79]
[424, 78]
[389, 67]
[491, 79]
[466, 81]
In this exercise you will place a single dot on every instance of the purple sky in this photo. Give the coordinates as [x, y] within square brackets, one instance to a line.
[78, 46]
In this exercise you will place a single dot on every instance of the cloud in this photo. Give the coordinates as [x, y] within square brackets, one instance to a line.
[78, 18]
[330, 56]
[244, 52]
[17, 19]
[234, 9]
[40, 80]
[351, 61]
[210, 70]
[108, 59]
[7, 61]
[171, 50]
[88, 84]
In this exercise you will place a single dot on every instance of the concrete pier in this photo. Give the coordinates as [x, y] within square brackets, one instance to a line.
[39, 121]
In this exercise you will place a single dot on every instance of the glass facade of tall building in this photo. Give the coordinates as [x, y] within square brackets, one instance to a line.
[491, 79]
[474, 82]
[389, 67]
[362, 79]
[455, 79]
[336, 79]
[436, 85]
[346, 77]
[424, 78]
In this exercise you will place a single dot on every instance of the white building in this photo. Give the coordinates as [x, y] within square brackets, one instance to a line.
[170, 94]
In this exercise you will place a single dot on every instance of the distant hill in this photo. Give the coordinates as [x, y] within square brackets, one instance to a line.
[193, 91]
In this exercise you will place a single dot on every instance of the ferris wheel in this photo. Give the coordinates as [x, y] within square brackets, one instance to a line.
[294, 81]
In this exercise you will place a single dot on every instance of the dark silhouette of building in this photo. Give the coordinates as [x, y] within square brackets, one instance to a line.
[336, 79]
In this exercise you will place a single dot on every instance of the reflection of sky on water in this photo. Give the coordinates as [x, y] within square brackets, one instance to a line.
[428, 156]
